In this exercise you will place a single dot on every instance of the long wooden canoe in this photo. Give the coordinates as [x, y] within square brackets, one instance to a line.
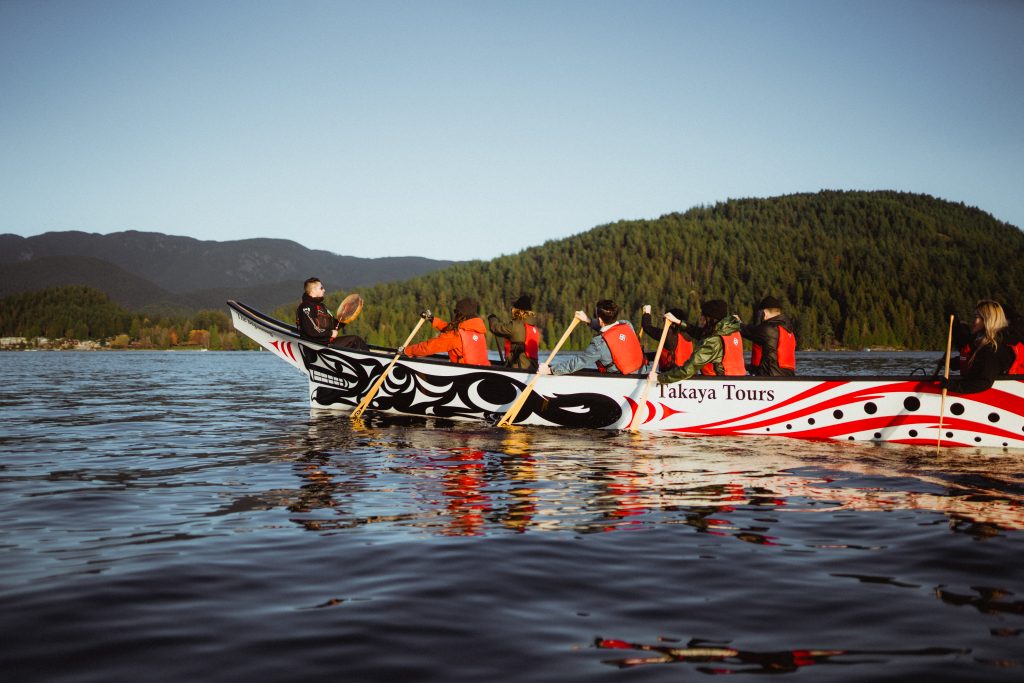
[871, 408]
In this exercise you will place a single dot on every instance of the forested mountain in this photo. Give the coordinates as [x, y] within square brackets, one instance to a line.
[178, 275]
[853, 269]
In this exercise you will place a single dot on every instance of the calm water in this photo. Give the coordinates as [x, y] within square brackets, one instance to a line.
[184, 516]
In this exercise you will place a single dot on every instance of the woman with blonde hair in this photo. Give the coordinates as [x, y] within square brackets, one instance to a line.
[989, 355]
[521, 335]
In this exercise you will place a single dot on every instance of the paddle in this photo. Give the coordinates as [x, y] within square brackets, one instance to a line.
[361, 408]
[653, 376]
[942, 402]
[517, 405]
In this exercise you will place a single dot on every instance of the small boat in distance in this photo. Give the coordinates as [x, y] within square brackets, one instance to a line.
[902, 410]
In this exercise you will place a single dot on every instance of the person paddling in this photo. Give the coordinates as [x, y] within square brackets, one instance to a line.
[615, 348]
[773, 353]
[679, 342]
[520, 335]
[464, 338]
[988, 354]
[720, 351]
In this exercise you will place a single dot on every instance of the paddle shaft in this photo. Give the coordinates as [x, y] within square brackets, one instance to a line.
[942, 401]
[361, 408]
[517, 405]
[635, 422]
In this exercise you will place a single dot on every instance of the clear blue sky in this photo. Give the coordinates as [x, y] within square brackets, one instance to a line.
[472, 129]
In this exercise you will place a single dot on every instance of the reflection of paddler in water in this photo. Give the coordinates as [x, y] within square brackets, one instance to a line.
[324, 481]
[464, 490]
[749, 661]
[318, 491]
[626, 493]
[518, 466]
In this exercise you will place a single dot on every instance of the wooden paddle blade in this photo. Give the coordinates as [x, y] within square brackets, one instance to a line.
[350, 308]
[364, 404]
[510, 415]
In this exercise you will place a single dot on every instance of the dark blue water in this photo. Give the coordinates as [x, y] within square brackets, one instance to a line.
[184, 516]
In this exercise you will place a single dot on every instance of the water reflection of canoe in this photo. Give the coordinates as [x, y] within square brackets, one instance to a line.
[881, 409]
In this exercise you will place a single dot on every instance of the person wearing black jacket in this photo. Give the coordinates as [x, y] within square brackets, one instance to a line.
[765, 332]
[988, 355]
[317, 323]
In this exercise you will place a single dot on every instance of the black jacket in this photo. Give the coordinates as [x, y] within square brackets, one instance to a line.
[983, 367]
[314, 321]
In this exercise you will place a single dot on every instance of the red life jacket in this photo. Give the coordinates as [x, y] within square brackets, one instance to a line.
[682, 353]
[627, 354]
[1018, 365]
[474, 348]
[732, 360]
[965, 357]
[786, 350]
[532, 342]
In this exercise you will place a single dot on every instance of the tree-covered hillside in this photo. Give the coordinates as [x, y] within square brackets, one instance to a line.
[853, 269]
[78, 312]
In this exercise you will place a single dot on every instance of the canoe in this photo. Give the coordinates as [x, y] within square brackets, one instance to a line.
[882, 409]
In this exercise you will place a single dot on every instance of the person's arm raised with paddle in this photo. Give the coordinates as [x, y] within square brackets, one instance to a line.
[652, 377]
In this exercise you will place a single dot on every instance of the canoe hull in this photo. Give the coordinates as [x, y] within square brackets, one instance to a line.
[878, 409]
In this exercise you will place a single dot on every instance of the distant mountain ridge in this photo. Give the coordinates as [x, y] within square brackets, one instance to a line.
[145, 270]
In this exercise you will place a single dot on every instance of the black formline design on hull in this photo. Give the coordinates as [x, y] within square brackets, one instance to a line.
[344, 378]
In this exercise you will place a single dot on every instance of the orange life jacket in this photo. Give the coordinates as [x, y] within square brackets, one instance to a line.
[786, 350]
[532, 342]
[732, 360]
[682, 353]
[627, 354]
[474, 348]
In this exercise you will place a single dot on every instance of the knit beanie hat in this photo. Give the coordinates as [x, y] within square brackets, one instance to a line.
[523, 303]
[716, 309]
[769, 302]
[467, 308]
